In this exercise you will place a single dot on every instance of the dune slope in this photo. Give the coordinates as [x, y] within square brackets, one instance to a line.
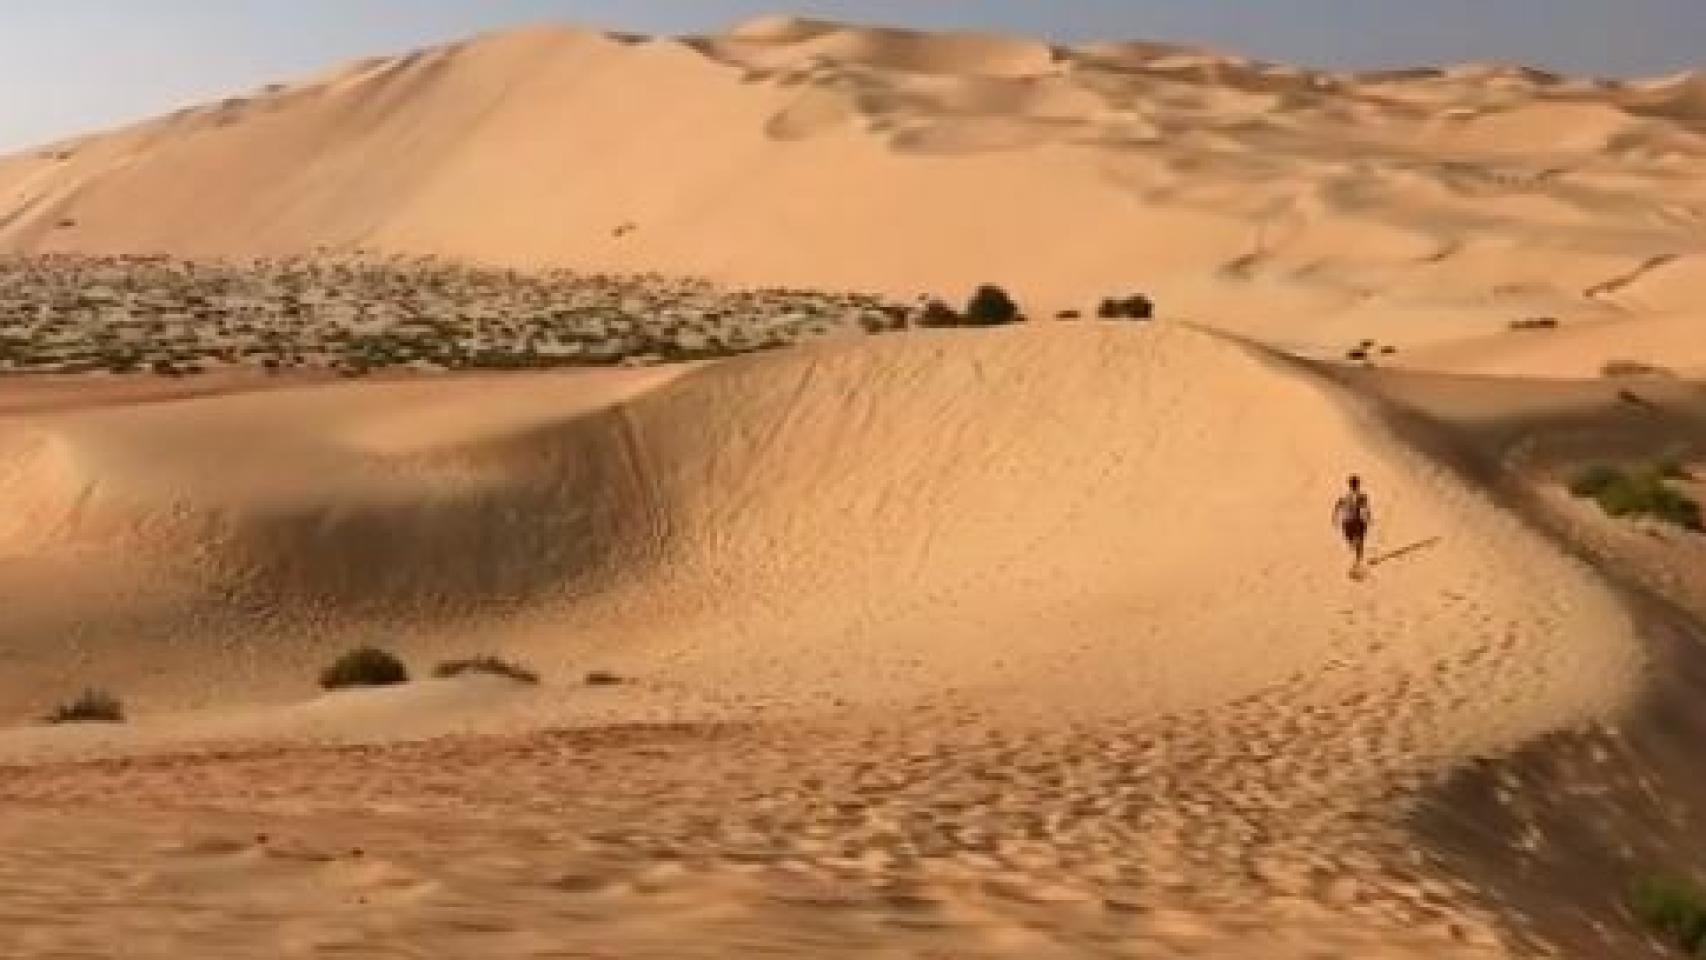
[986, 605]
[1034, 510]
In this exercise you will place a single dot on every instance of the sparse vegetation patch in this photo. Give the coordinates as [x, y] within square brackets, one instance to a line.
[1647, 491]
[1674, 909]
[359, 315]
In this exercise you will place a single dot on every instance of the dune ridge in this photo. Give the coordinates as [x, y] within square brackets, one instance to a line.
[1023, 600]
[674, 513]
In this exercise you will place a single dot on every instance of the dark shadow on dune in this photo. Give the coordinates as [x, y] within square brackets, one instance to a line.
[566, 508]
[1405, 551]
[1563, 829]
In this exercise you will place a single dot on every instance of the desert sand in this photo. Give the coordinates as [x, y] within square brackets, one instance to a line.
[1024, 642]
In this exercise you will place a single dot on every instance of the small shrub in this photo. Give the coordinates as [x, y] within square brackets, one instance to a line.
[1645, 492]
[1358, 354]
[1593, 480]
[1672, 466]
[1135, 307]
[1535, 323]
[990, 306]
[1068, 315]
[364, 667]
[938, 314]
[1676, 507]
[1622, 369]
[602, 678]
[91, 706]
[1674, 909]
[492, 666]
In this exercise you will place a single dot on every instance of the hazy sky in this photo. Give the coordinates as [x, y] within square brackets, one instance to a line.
[67, 66]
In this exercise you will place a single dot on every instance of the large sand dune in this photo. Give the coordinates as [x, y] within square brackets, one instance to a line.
[1037, 511]
[1408, 205]
[1042, 568]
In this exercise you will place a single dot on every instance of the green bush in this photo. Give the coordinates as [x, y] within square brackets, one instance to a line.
[1673, 908]
[990, 306]
[938, 314]
[364, 667]
[493, 666]
[1595, 479]
[1645, 492]
[91, 706]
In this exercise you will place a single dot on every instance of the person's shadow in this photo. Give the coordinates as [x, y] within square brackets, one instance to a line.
[1405, 551]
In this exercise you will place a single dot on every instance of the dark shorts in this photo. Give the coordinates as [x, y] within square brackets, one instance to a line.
[1355, 530]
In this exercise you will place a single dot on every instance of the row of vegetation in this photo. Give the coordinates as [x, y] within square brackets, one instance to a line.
[375, 667]
[362, 667]
[358, 315]
[992, 306]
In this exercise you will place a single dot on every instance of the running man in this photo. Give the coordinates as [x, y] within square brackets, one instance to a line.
[1352, 516]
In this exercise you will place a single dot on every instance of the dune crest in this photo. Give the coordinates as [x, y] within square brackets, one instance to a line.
[989, 596]
[1033, 533]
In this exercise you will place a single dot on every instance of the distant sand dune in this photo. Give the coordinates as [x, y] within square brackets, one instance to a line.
[812, 153]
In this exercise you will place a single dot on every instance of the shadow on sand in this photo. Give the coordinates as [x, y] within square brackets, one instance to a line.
[1405, 551]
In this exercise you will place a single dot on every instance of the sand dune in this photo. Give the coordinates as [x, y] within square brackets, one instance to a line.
[1024, 539]
[684, 514]
[902, 162]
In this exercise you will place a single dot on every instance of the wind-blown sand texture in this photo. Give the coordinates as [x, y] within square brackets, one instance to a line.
[1030, 642]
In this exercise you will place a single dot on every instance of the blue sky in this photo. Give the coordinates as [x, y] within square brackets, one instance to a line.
[68, 66]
